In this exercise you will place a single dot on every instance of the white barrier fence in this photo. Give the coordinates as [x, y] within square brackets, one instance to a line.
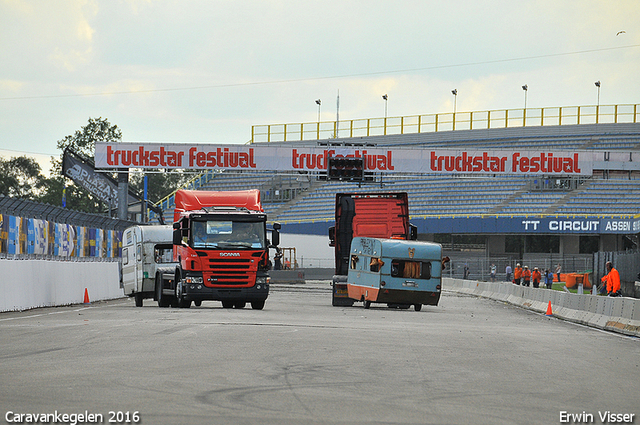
[26, 284]
[619, 314]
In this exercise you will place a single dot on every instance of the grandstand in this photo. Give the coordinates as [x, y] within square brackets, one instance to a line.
[475, 204]
[303, 198]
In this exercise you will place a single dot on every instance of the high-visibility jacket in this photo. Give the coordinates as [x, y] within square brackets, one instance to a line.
[612, 279]
[536, 275]
[517, 273]
[526, 274]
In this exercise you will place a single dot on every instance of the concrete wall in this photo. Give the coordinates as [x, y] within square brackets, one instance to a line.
[26, 284]
[300, 275]
[619, 314]
[287, 276]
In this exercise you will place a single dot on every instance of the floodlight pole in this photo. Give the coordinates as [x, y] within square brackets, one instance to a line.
[524, 114]
[597, 83]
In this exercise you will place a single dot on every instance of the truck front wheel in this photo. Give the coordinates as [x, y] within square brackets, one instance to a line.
[162, 300]
[181, 301]
[257, 305]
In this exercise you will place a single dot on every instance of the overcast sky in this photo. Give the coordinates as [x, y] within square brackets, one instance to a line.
[207, 70]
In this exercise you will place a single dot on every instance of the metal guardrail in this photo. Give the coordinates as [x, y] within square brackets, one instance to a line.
[504, 118]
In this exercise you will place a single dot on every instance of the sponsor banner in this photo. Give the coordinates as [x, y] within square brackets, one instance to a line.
[388, 160]
[100, 185]
[522, 225]
[19, 235]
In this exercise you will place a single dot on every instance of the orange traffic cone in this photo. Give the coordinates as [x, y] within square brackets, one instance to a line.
[549, 312]
[86, 296]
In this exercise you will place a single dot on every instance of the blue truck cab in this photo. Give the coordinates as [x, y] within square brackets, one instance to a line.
[400, 273]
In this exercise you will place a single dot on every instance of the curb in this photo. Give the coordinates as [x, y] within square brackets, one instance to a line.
[621, 314]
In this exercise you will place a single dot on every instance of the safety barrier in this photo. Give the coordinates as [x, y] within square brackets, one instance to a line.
[26, 284]
[620, 314]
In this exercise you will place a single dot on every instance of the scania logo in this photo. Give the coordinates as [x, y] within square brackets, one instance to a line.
[229, 254]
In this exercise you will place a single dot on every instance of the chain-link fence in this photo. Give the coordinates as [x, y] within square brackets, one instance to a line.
[628, 265]
[31, 230]
[30, 209]
[479, 267]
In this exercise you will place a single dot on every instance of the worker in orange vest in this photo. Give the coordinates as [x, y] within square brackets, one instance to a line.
[517, 274]
[612, 280]
[536, 276]
[526, 276]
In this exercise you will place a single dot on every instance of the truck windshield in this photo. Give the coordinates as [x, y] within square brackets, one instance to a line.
[228, 234]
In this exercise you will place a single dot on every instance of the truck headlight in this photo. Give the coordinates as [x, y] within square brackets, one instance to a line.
[194, 279]
[262, 280]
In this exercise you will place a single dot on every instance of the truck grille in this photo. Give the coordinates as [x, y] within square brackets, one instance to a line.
[230, 271]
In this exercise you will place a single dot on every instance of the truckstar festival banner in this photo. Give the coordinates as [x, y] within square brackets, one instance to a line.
[388, 160]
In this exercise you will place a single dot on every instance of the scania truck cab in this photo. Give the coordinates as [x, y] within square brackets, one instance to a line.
[220, 245]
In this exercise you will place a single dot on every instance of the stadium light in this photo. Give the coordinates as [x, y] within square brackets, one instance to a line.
[454, 92]
[524, 115]
[597, 83]
[386, 98]
[318, 102]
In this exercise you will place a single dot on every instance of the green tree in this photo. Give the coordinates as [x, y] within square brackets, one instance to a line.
[160, 183]
[21, 177]
[83, 141]
[53, 193]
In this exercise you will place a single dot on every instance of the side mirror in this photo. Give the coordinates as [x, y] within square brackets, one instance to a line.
[413, 232]
[177, 235]
[332, 236]
[275, 236]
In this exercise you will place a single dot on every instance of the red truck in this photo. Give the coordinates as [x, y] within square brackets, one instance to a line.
[221, 249]
[374, 215]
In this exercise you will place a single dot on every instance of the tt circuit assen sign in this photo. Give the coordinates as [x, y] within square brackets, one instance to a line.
[578, 225]
[520, 225]
[388, 160]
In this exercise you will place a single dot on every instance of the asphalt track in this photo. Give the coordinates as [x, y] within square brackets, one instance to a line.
[301, 361]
